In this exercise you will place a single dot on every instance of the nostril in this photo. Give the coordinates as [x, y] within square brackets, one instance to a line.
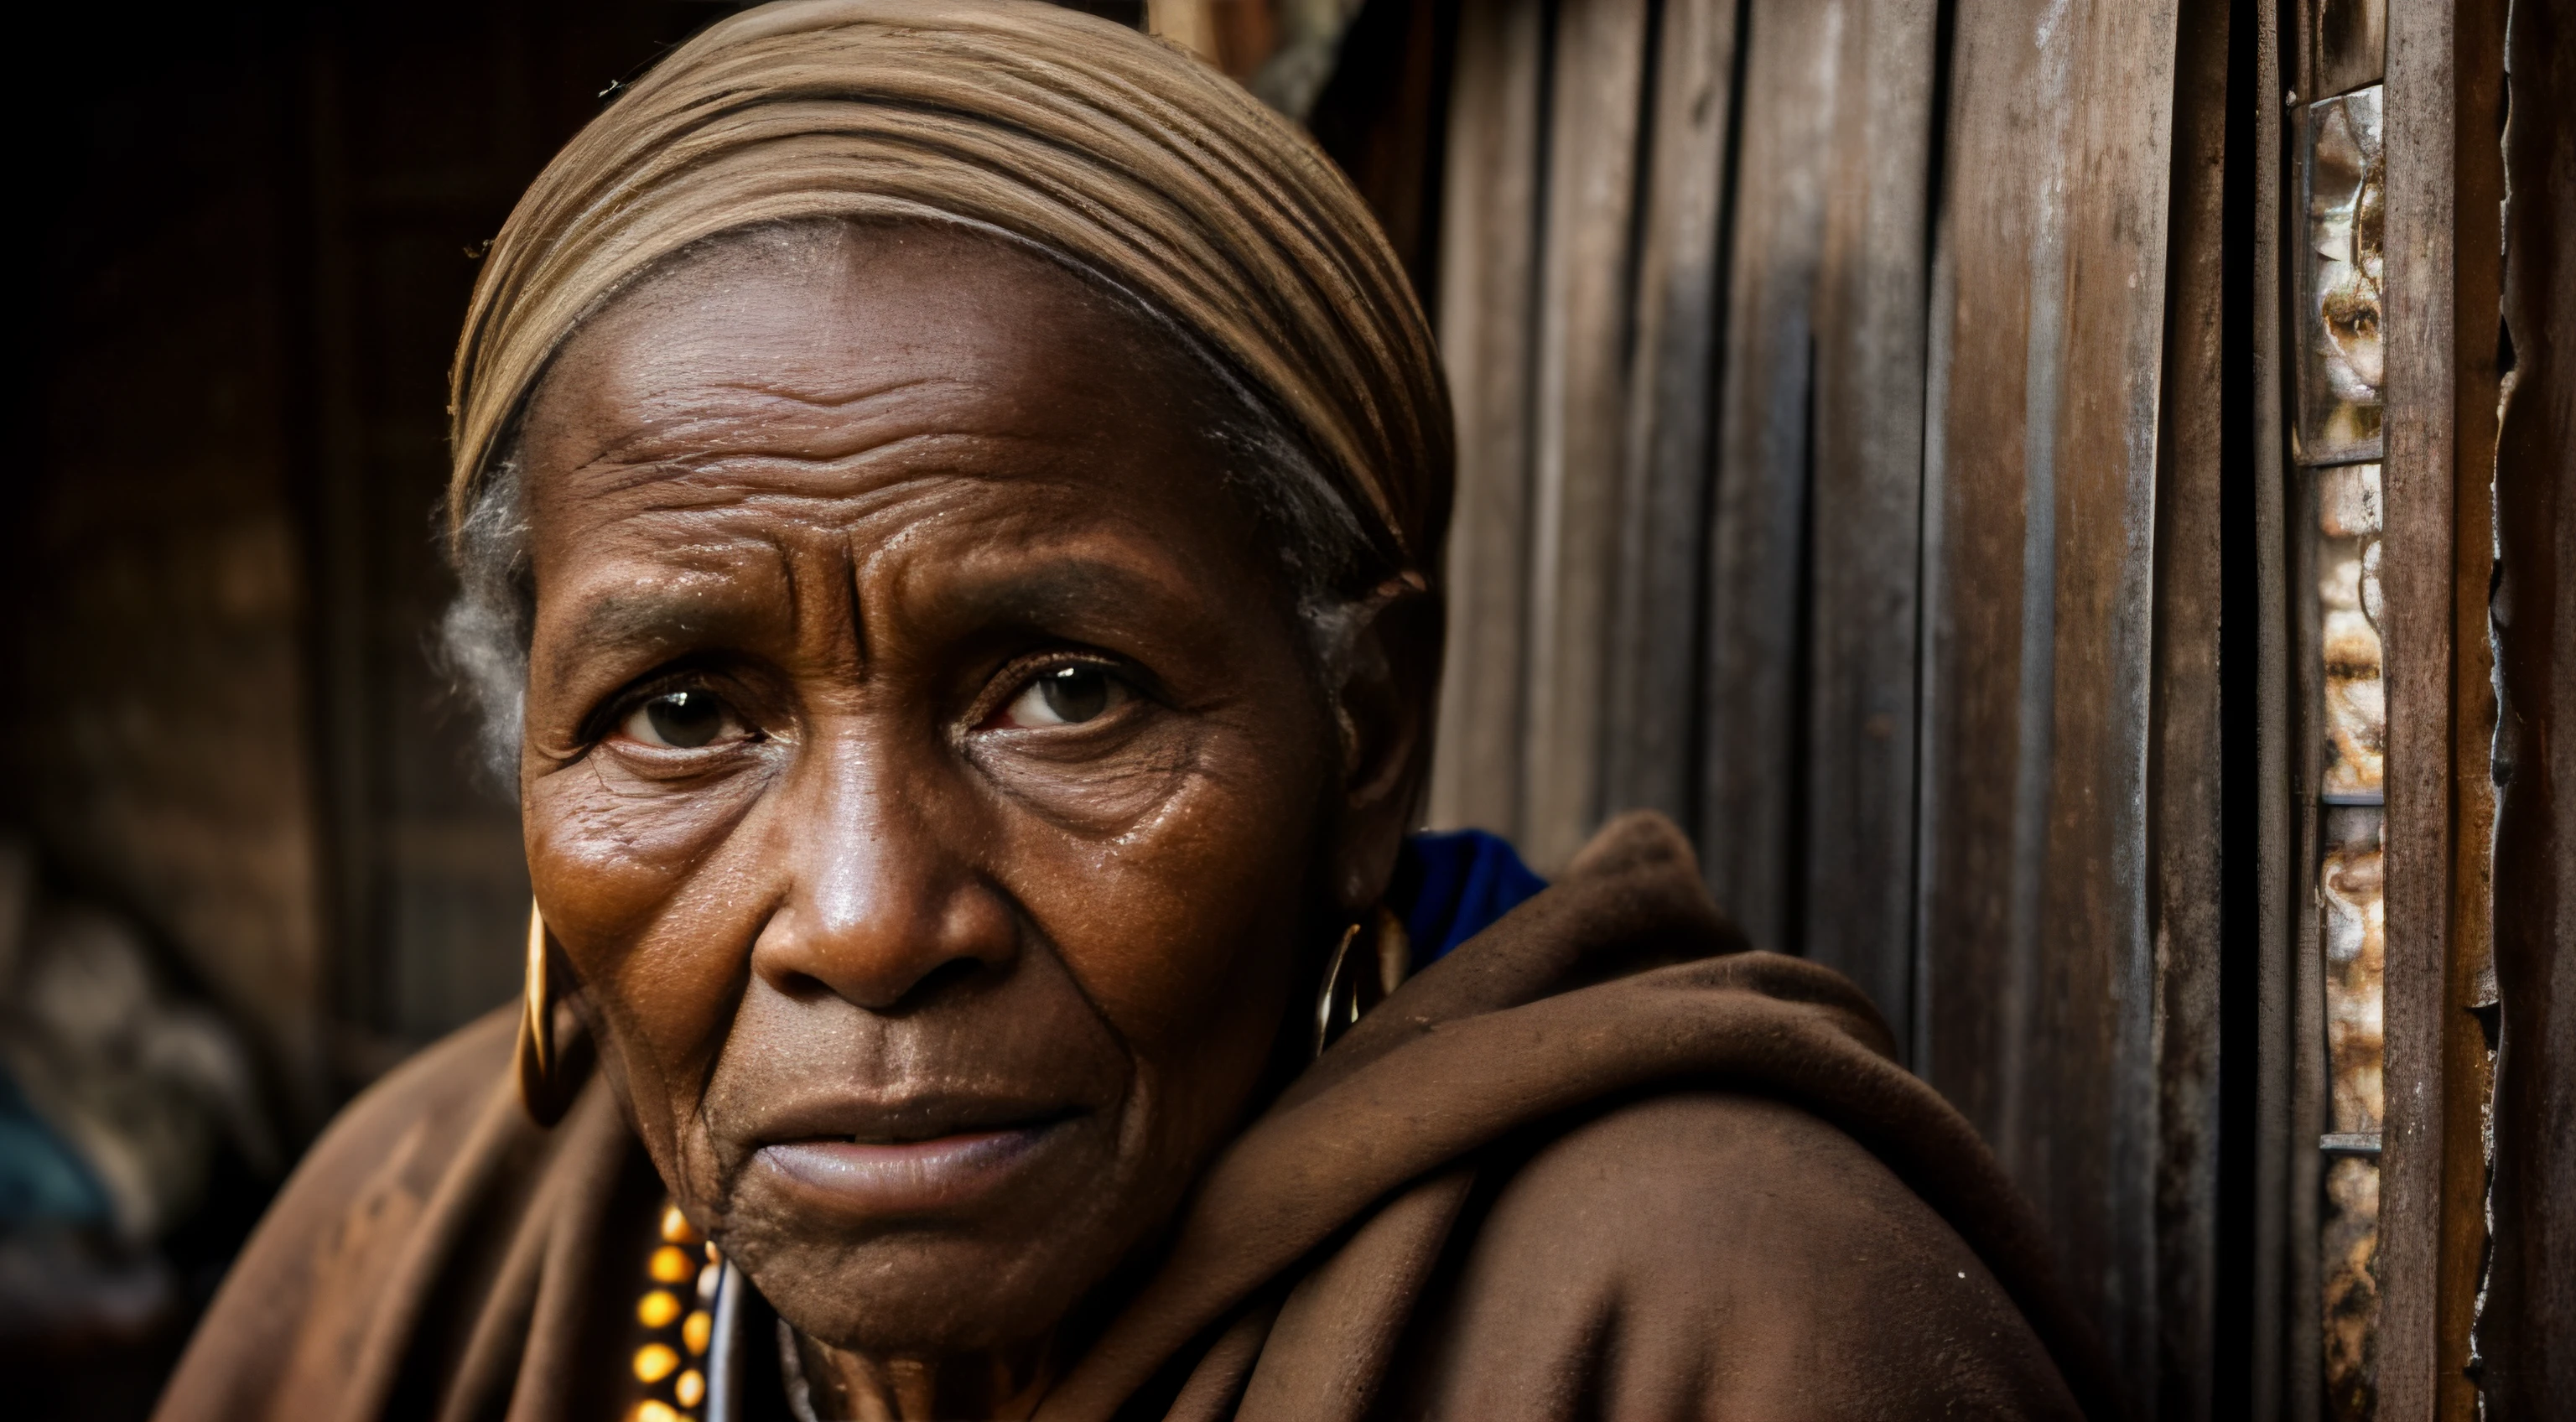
[929, 988]
[939, 982]
[800, 987]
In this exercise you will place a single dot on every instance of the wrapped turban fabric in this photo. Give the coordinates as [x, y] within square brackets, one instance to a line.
[1596, 1161]
[1087, 141]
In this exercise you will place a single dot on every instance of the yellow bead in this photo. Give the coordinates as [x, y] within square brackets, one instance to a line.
[652, 1410]
[676, 1228]
[690, 1389]
[670, 1265]
[655, 1361]
[708, 1278]
[697, 1331]
[658, 1309]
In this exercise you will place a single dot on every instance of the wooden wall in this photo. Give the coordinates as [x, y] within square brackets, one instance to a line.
[1873, 455]
[2527, 1333]
[1807, 359]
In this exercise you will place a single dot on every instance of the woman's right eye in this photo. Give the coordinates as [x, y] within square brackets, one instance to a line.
[683, 720]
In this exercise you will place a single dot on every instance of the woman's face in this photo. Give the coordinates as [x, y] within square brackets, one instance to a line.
[925, 773]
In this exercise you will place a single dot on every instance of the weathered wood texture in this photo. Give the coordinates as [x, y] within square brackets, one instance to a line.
[1830, 342]
[1856, 892]
[2040, 973]
[1758, 544]
[2443, 108]
[2188, 832]
[2527, 1335]
[1806, 790]
[1488, 247]
[1382, 117]
[1580, 411]
[2280, 1232]
[1709, 390]
[1650, 758]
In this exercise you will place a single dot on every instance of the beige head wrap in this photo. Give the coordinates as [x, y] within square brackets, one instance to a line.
[1085, 138]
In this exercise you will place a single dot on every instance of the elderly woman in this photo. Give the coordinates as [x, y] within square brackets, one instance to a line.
[949, 502]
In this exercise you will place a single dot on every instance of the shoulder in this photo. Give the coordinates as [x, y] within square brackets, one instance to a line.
[403, 1133]
[303, 1293]
[1716, 1254]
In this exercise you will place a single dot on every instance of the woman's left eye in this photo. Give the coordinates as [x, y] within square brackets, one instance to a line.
[683, 720]
[1066, 695]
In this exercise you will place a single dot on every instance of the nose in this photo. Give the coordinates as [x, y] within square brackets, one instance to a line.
[879, 911]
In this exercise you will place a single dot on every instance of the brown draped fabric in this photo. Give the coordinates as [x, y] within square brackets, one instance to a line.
[1594, 1163]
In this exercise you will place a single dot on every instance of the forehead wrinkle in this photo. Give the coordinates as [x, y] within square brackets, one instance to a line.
[732, 477]
[717, 410]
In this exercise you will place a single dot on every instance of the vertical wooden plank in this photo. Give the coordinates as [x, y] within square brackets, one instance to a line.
[2269, 1310]
[2443, 105]
[1757, 535]
[1488, 240]
[1581, 405]
[2468, 971]
[2096, 1003]
[1382, 116]
[2527, 1336]
[2415, 629]
[2187, 833]
[1647, 757]
[1975, 534]
[2042, 981]
[1858, 879]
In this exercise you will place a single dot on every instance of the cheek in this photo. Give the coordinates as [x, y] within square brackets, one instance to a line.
[655, 918]
[1184, 930]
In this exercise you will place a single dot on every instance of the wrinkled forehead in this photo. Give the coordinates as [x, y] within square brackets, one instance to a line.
[803, 329]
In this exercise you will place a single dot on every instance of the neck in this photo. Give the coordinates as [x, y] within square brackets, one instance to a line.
[844, 1386]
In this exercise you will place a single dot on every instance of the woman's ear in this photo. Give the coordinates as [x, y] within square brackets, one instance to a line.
[1388, 675]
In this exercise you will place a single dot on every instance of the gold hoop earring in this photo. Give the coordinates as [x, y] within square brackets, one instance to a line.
[1350, 989]
[542, 1080]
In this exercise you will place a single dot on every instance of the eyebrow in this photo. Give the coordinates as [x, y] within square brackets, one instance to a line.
[647, 620]
[1070, 587]
[1073, 587]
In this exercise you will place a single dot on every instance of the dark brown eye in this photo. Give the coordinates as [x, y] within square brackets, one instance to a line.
[1066, 695]
[682, 720]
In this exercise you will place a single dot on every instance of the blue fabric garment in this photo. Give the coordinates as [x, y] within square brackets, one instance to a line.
[42, 1179]
[1449, 887]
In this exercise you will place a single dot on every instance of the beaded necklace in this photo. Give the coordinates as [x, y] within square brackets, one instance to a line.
[671, 1357]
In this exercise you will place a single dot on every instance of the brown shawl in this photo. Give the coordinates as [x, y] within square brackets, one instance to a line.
[1592, 1164]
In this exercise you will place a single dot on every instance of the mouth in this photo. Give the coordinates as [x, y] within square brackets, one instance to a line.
[880, 1170]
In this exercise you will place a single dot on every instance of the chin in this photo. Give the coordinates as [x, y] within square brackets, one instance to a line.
[935, 1247]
